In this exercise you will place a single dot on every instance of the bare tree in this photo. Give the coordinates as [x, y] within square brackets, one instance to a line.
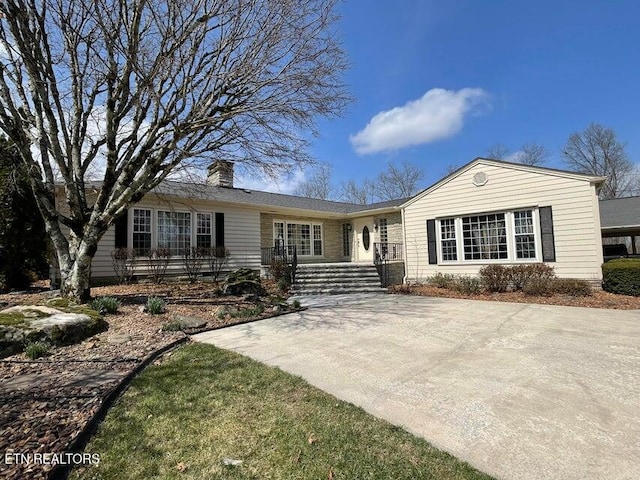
[362, 194]
[401, 181]
[497, 151]
[319, 183]
[597, 151]
[135, 90]
[534, 154]
[449, 169]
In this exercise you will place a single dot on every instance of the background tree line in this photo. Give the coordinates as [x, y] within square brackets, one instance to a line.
[594, 151]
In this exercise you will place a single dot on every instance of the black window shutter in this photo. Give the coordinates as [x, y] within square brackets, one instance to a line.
[431, 242]
[219, 229]
[546, 229]
[122, 226]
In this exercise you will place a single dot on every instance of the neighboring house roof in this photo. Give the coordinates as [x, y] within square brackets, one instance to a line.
[502, 163]
[620, 213]
[267, 199]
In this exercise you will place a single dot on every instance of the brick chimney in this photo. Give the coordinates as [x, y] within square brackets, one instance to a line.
[220, 174]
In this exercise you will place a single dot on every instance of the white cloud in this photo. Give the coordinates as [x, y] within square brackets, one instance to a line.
[439, 114]
[514, 157]
[286, 183]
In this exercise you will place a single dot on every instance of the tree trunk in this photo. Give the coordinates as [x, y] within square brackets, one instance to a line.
[75, 281]
[75, 272]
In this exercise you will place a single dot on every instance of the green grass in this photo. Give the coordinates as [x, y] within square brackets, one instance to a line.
[203, 404]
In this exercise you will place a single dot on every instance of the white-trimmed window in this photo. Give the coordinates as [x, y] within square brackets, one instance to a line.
[490, 237]
[174, 231]
[524, 233]
[204, 230]
[307, 237]
[448, 240]
[485, 237]
[141, 230]
[317, 240]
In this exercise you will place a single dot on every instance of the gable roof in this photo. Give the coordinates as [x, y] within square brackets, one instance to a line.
[267, 199]
[617, 213]
[505, 164]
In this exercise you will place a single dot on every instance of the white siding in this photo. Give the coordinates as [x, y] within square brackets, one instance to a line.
[241, 232]
[576, 218]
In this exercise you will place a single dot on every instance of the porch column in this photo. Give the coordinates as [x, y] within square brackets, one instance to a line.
[634, 250]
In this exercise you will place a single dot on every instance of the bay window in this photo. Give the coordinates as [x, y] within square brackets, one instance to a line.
[492, 237]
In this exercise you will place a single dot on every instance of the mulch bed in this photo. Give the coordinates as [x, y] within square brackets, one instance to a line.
[47, 402]
[599, 299]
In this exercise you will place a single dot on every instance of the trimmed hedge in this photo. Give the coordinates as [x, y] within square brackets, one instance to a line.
[622, 276]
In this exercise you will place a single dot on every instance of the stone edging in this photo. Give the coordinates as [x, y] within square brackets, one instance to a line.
[196, 331]
[78, 444]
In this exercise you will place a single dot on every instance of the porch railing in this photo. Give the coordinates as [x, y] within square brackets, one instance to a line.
[388, 252]
[285, 253]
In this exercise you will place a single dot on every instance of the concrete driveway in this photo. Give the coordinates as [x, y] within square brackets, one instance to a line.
[519, 391]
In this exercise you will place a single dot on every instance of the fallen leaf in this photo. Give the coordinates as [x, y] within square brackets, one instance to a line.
[181, 467]
[312, 439]
[330, 476]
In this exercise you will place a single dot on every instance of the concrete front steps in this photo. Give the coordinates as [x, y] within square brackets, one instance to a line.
[336, 278]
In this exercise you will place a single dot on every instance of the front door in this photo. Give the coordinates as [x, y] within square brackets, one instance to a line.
[363, 237]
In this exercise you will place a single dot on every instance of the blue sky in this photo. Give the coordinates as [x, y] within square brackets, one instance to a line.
[455, 77]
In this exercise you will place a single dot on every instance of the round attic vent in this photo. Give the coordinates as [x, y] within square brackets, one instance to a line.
[480, 179]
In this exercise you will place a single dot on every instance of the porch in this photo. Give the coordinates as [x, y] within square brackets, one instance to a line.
[312, 276]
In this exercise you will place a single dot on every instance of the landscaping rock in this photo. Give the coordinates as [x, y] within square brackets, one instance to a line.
[242, 282]
[118, 338]
[189, 322]
[41, 323]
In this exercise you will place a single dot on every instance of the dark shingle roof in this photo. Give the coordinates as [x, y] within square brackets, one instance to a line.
[620, 212]
[266, 199]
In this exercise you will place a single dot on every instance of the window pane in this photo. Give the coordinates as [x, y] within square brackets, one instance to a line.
[448, 239]
[485, 237]
[141, 231]
[203, 230]
[174, 231]
[524, 234]
[317, 240]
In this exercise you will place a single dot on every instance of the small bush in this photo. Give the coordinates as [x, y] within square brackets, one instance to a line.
[539, 286]
[36, 350]
[172, 326]
[468, 285]
[105, 305]
[295, 304]
[495, 278]
[192, 262]
[156, 305]
[282, 284]
[158, 262]
[622, 276]
[441, 280]
[281, 272]
[218, 257]
[123, 261]
[572, 286]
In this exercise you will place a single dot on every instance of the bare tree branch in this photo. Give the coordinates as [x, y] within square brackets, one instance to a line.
[597, 151]
[497, 151]
[319, 183]
[401, 181]
[134, 90]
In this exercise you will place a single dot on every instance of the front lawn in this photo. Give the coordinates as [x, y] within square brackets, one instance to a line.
[202, 407]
